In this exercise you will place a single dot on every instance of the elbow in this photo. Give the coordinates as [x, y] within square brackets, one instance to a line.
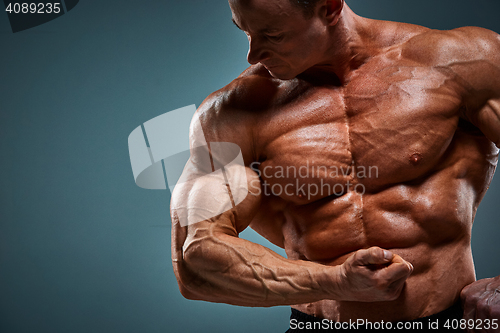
[187, 292]
[189, 284]
[191, 274]
[201, 268]
[188, 281]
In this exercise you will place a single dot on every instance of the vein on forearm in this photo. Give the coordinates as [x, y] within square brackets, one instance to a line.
[242, 268]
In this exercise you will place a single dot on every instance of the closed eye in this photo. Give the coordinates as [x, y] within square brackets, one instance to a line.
[275, 38]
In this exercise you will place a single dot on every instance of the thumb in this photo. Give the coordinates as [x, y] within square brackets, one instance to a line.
[373, 256]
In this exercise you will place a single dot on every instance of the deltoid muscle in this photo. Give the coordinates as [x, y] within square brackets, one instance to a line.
[214, 174]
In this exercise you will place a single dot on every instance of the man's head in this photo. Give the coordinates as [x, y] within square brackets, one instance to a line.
[287, 36]
[308, 7]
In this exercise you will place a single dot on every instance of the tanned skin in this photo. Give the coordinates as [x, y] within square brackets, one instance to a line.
[336, 89]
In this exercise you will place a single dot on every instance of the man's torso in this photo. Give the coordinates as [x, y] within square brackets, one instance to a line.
[382, 160]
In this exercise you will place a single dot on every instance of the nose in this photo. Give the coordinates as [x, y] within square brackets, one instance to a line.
[256, 51]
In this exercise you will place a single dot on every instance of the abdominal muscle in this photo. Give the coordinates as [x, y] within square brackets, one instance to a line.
[427, 291]
[428, 225]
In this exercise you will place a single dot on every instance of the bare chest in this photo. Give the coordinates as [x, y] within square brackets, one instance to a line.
[387, 126]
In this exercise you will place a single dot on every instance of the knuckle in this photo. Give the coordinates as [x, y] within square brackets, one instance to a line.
[345, 271]
[472, 297]
[358, 255]
[463, 293]
[375, 251]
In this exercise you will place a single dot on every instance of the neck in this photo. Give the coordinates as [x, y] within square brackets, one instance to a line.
[350, 45]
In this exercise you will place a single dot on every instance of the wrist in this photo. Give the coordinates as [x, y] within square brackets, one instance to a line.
[330, 281]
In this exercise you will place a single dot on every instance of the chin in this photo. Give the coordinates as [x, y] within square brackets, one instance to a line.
[282, 75]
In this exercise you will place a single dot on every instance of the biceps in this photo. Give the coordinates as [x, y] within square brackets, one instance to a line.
[233, 190]
[196, 219]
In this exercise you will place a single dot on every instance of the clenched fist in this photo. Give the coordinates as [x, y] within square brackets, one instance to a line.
[373, 275]
[481, 304]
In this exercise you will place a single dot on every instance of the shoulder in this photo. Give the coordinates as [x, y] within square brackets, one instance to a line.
[230, 114]
[461, 45]
[244, 98]
[252, 90]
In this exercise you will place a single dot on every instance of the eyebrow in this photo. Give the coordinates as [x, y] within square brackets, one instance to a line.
[262, 31]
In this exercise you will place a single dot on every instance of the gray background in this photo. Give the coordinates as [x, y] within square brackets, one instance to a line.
[82, 248]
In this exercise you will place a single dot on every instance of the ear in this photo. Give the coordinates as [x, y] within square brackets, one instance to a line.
[331, 11]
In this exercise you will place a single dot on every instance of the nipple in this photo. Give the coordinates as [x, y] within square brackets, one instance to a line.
[415, 158]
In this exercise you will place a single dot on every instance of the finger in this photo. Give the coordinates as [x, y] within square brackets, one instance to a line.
[485, 309]
[373, 256]
[495, 304]
[469, 311]
[482, 307]
[494, 310]
[475, 306]
[398, 259]
[396, 271]
[468, 304]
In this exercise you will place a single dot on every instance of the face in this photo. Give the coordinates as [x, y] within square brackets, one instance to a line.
[280, 37]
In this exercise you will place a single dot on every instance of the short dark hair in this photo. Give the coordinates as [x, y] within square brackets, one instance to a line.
[307, 6]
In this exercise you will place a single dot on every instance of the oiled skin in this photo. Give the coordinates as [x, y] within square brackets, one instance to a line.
[416, 111]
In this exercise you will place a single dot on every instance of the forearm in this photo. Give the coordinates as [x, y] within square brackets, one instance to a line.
[228, 269]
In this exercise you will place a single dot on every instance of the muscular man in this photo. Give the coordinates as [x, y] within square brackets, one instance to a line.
[368, 147]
